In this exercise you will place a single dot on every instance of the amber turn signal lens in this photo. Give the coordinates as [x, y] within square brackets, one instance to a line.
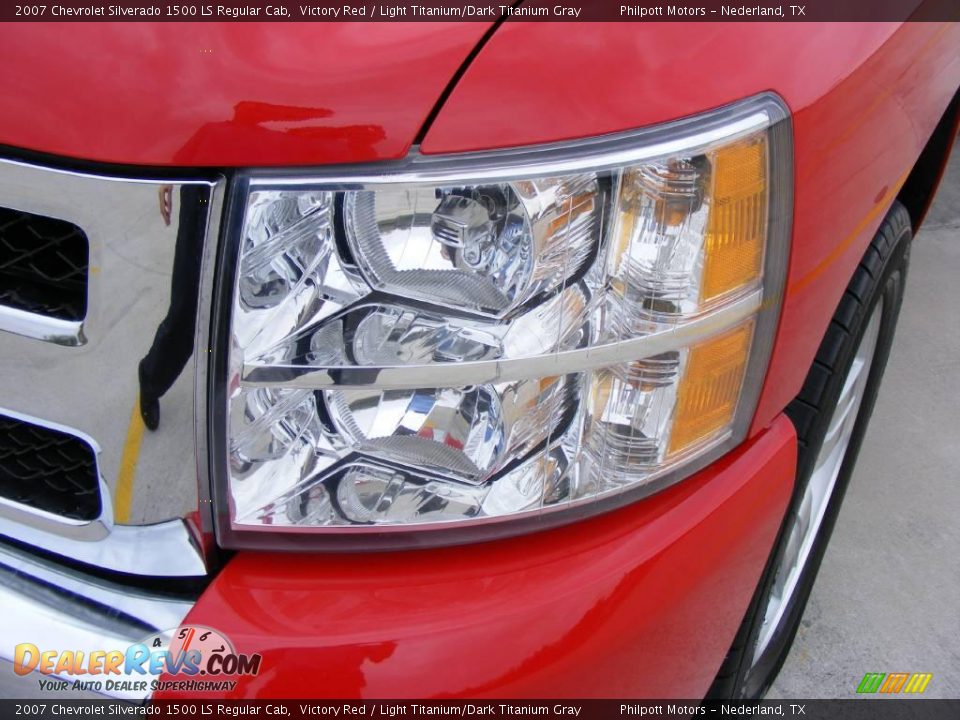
[708, 394]
[737, 227]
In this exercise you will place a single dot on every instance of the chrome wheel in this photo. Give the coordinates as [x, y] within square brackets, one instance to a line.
[806, 522]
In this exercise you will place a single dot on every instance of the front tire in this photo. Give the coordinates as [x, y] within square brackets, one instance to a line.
[830, 414]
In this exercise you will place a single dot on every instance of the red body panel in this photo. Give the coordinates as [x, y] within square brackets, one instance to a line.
[865, 98]
[225, 94]
[643, 601]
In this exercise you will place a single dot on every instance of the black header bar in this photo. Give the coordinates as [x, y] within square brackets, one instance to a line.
[574, 11]
[892, 708]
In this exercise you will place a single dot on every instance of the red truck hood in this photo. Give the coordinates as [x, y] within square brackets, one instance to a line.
[225, 95]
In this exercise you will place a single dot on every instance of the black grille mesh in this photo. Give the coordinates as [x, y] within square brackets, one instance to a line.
[48, 470]
[43, 265]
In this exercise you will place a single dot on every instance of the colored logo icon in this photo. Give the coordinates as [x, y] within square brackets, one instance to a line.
[894, 682]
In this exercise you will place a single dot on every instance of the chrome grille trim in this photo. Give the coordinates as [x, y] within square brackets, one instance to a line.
[82, 377]
[44, 265]
[18, 507]
[42, 327]
[163, 549]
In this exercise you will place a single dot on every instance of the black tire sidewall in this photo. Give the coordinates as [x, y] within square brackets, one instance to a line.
[754, 679]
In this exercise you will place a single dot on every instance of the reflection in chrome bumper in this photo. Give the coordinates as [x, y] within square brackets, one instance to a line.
[54, 608]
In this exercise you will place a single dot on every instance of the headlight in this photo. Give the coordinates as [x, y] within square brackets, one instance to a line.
[492, 342]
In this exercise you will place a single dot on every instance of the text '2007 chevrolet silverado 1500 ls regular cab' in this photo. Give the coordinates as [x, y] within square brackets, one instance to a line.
[445, 359]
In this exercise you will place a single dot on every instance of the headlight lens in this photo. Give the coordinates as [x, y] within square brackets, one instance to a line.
[456, 343]
[480, 248]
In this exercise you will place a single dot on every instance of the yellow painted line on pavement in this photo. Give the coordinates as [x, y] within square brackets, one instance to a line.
[123, 494]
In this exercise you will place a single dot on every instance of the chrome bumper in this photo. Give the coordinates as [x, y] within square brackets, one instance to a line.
[55, 608]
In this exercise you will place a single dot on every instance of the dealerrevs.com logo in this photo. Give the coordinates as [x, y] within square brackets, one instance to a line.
[191, 658]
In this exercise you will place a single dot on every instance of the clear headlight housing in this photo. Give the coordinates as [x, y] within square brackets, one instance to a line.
[493, 342]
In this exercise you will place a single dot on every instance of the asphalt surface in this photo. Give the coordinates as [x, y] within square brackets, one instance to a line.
[887, 598]
[888, 595]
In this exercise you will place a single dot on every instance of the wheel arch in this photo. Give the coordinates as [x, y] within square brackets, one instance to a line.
[921, 184]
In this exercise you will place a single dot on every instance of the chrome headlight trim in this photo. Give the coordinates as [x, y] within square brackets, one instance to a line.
[740, 119]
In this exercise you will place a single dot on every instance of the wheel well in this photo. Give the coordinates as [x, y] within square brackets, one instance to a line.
[921, 184]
